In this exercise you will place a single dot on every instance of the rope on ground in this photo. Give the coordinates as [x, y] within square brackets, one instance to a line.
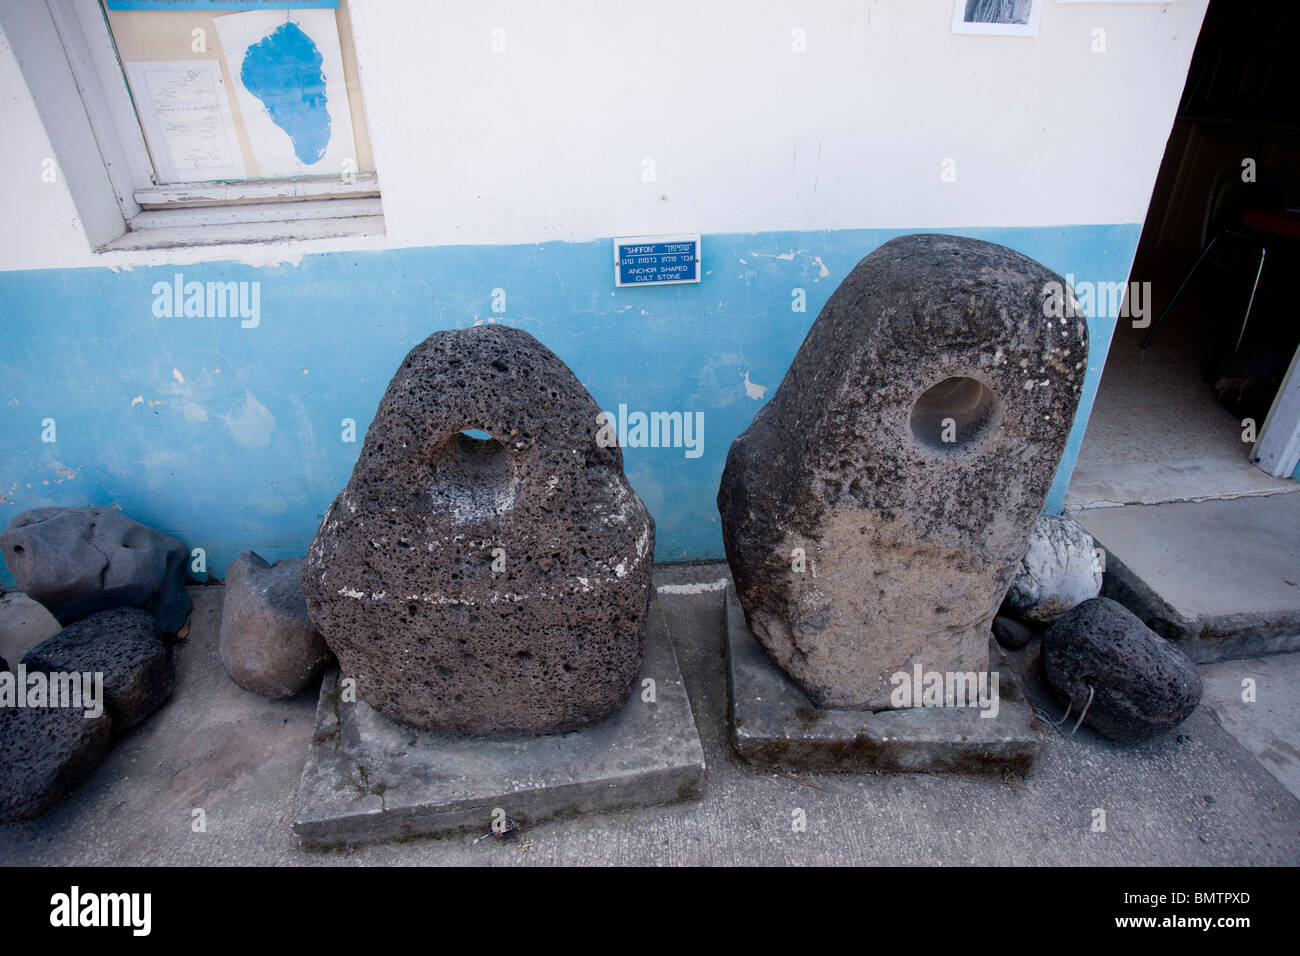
[1085, 710]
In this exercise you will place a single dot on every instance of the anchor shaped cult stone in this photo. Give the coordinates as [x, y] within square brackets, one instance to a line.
[497, 583]
[875, 510]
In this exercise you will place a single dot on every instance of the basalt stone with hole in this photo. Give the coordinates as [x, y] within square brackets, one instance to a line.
[45, 752]
[77, 561]
[126, 647]
[268, 642]
[1141, 685]
[485, 585]
[876, 509]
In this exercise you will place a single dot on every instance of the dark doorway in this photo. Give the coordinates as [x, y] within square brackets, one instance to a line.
[1167, 424]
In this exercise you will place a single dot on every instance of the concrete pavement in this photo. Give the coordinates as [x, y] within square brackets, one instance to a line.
[1196, 798]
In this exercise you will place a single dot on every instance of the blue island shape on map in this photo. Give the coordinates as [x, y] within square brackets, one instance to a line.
[283, 70]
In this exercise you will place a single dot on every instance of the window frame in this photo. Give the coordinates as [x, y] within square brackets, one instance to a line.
[160, 216]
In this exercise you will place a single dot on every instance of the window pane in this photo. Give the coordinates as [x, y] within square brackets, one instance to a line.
[256, 94]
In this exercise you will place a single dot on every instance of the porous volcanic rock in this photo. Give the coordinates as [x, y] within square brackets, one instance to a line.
[268, 642]
[1141, 685]
[77, 561]
[45, 752]
[124, 645]
[1059, 570]
[493, 584]
[876, 509]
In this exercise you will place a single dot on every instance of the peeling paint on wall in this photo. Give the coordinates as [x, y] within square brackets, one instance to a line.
[251, 422]
[248, 452]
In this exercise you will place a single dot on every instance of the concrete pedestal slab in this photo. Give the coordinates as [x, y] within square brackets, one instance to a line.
[370, 779]
[773, 723]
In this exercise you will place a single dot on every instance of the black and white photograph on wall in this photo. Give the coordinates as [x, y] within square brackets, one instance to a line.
[997, 17]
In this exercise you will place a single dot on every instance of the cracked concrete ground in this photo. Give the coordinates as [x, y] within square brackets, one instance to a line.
[1207, 800]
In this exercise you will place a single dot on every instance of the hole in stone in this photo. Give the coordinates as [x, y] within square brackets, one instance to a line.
[953, 415]
[18, 549]
[472, 476]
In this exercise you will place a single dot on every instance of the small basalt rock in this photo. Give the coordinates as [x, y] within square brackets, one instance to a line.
[77, 561]
[1140, 684]
[24, 623]
[494, 584]
[1010, 633]
[268, 642]
[45, 753]
[125, 646]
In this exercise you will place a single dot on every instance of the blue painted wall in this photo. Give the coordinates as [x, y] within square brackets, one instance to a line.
[246, 451]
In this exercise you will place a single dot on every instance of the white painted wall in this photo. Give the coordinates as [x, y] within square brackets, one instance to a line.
[39, 226]
[547, 140]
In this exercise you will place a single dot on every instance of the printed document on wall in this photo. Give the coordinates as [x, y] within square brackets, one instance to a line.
[184, 109]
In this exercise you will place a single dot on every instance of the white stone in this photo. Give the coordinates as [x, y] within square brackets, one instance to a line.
[1059, 570]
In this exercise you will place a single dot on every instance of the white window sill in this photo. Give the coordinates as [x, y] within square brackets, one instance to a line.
[249, 222]
[359, 186]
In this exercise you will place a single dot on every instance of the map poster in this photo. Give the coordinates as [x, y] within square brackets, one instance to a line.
[287, 71]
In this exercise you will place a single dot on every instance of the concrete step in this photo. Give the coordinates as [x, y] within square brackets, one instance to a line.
[1220, 578]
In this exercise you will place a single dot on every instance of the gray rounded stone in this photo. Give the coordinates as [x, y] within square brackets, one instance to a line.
[24, 623]
[862, 540]
[45, 753]
[268, 642]
[77, 561]
[1141, 685]
[1059, 570]
[1010, 633]
[125, 646]
[485, 585]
